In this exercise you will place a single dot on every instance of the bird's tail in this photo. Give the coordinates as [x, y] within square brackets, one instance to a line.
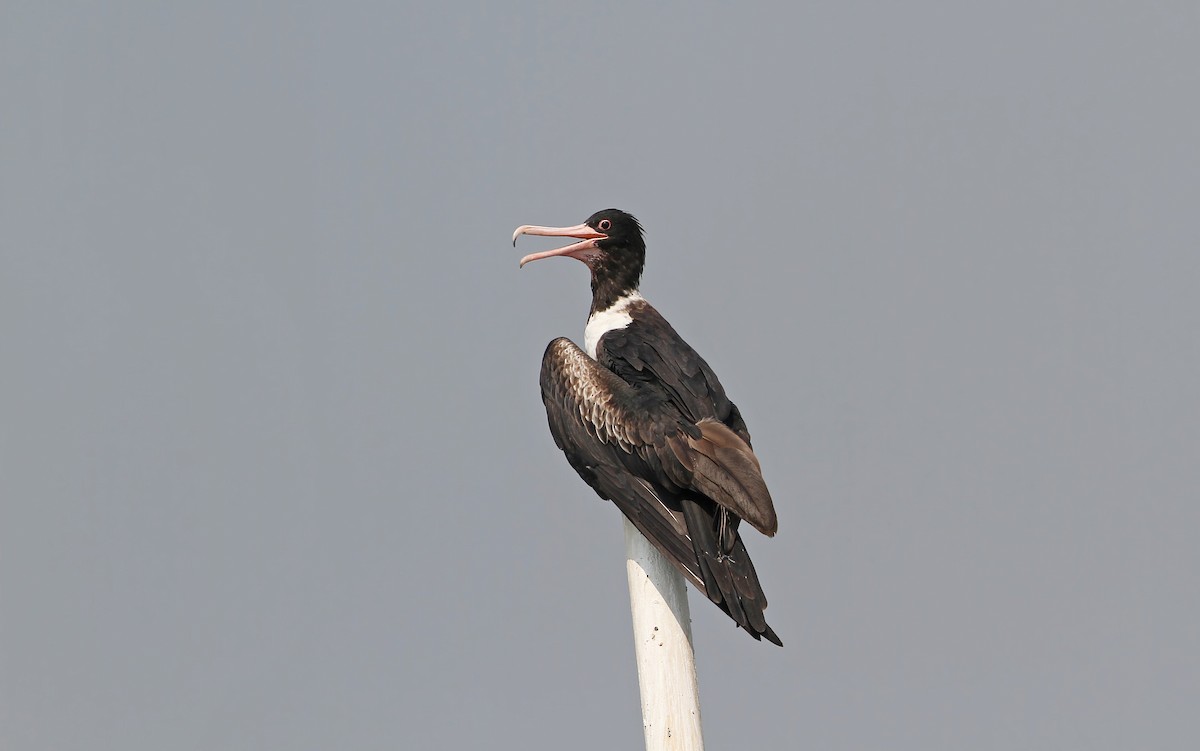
[687, 533]
[728, 576]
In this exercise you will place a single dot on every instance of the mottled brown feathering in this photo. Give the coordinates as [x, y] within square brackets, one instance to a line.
[684, 483]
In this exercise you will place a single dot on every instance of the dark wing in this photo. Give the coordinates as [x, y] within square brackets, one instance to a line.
[664, 472]
[649, 352]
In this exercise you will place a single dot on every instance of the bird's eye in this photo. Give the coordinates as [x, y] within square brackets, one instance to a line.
[604, 225]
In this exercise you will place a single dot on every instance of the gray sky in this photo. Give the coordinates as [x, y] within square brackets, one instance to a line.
[275, 474]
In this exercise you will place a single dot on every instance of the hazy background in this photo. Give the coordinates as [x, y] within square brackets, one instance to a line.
[275, 474]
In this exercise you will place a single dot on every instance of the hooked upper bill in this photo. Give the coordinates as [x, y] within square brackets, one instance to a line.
[584, 250]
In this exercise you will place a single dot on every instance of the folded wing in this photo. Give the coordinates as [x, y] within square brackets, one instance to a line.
[683, 484]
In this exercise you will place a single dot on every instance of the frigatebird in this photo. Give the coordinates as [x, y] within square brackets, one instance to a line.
[644, 421]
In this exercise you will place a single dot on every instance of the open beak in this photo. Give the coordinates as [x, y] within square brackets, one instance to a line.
[583, 250]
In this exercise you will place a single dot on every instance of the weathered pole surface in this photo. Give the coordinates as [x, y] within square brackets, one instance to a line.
[662, 640]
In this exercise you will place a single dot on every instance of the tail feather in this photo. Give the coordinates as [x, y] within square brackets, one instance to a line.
[730, 580]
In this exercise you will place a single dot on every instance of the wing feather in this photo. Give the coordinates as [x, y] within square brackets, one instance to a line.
[675, 479]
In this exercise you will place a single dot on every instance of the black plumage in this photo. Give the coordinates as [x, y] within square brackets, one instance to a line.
[646, 423]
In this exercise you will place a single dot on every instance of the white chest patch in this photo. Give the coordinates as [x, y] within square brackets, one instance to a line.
[603, 321]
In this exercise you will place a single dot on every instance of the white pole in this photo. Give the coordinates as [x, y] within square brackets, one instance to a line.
[662, 641]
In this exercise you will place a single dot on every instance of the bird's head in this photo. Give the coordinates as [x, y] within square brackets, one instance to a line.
[610, 243]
